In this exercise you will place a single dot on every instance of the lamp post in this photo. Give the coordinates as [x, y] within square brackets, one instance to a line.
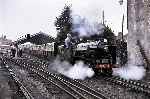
[122, 40]
[121, 3]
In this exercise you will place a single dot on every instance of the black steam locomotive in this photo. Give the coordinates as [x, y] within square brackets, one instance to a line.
[96, 54]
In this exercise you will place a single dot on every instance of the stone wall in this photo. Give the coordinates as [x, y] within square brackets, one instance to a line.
[147, 25]
[138, 28]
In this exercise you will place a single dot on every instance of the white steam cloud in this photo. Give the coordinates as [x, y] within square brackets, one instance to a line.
[86, 28]
[134, 69]
[77, 71]
[130, 72]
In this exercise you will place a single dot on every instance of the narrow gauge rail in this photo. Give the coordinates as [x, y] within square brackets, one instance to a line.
[45, 79]
[132, 84]
[26, 93]
[41, 64]
[80, 91]
[84, 93]
[50, 81]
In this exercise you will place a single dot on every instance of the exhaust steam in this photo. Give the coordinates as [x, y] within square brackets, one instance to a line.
[85, 28]
[130, 72]
[134, 69]
[77, 71]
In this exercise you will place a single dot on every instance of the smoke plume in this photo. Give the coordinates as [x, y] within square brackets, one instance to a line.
[86, 28]
[77, 71]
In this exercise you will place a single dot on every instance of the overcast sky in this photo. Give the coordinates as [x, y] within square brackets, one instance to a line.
[19, 17]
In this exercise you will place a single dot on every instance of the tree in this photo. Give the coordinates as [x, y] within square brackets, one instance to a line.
[109, 35]
[63, 24]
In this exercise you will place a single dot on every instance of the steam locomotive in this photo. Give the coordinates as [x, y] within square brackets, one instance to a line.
[96, 54]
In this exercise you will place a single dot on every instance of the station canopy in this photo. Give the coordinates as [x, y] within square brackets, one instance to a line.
[38, 39]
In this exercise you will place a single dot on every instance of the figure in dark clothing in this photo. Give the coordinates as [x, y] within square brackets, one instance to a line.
[68, 41]
[68, 48]
[13, 52]
[20, 53]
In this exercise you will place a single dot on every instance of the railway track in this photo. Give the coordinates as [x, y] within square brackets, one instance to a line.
[36, 74]
[74, 88]
[18, 82]
[44, 64]
[131, 84]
